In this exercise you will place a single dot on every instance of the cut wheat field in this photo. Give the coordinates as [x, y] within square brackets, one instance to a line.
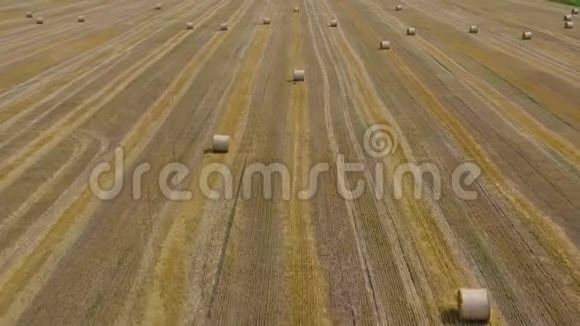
[261, 225]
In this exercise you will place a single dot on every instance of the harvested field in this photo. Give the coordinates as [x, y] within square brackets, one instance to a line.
[118, 205]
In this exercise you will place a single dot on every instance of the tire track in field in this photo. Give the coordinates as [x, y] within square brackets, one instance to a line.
[135, 304]
[352, 300]
[518, 201]
[170, 42]
[124, 16]
[23, 47]
[80, 144]
[124, 249]
[558, 41]
[554, 242]
[251, 247]
[564, 163]
[20, 52]
[74, 122]
[50, 35]
[26, 277]
[366, 105]
[94, 72]
[114, 45]
[45, 11]
[544, 95]
[251, 250]
[53, 23]
[521, 238]
[428, 260]
[514, 113]
[369, 113]
[23, 211]
[240, 97]
[17, 74]
[164, 296]
[139, 26]
[13, 109]
[227, 242]
[47, 139]
[541, 26]
[351, 64]
[355, 312]
[222, 276]
[307, 285]
[445, 269]
[539, 59]
[381, 233]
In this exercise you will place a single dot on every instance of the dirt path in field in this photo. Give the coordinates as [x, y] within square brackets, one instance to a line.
[133, 81]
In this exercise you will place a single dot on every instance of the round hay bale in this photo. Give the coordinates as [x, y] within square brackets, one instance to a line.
[526, 36]
[411, 31]
[334, 23]
[568, 25]
[189, 25]
[298, 75]
[399, 7]
[29, 14]
[221, 143]
[473, 304]
[223, 27]
[81, 19]
[384, 45]
[39, 20]
[158, 6]
[266, 21]
[574, 11]
[473, 29]
[296, 9]
[568, 18]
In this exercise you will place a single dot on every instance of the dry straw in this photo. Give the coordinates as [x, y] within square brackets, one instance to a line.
[527, 36]
[473, 304]
[298, 75]
[384, 45]
[221, 143]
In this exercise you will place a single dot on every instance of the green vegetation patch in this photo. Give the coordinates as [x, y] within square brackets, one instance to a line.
[569, 2]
